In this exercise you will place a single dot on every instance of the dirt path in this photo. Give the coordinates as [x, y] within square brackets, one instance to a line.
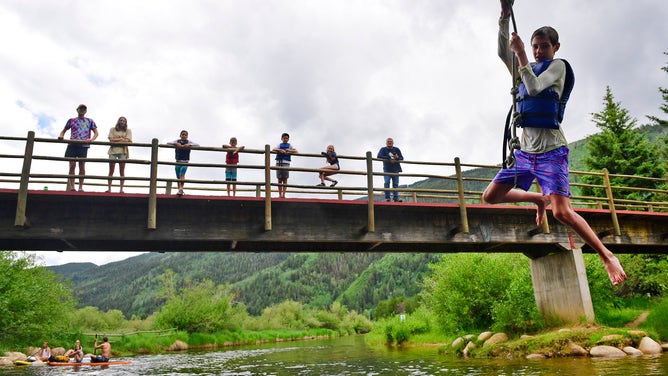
[639, 320]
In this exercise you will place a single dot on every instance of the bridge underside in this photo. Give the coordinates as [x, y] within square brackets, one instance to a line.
[64, 221]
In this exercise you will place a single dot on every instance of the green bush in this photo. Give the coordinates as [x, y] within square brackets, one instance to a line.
[658, 319]
[466, 292]
[397, 331]
[203, 308]
[646, 274]
[396, 305]
[516, 312]
[388, 331]
[34, 304]
[402, 334]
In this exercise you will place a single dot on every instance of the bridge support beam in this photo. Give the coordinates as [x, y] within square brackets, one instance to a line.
[560, 286]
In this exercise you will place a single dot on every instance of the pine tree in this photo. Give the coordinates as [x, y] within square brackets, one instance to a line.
[664, 107]
[623, 150]
[654, 120]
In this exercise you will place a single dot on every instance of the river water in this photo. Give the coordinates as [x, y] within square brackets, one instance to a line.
[350, 356]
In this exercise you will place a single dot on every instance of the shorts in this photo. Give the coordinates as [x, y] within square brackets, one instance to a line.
[118, 156]
[76, 151]
[180, 169]
[550, 169]
[231, 174]
[98, 359]
[282, 174]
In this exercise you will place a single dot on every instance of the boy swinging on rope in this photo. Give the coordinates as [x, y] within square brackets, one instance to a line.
[544, 152]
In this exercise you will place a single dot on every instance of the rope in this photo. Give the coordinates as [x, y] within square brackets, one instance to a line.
[510, 132]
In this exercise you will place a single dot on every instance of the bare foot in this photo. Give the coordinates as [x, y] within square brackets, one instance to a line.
[615, 271]
[540, 209]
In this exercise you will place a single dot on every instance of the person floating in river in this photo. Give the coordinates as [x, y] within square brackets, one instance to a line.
[105, 355]
[544, 153]
[76, 353]
[44, 353]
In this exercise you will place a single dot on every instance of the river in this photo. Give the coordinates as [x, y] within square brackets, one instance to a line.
[350, 356]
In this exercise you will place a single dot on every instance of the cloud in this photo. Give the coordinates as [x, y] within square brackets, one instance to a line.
[342, 72]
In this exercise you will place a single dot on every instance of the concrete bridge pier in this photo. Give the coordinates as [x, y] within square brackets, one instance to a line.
[560, 286]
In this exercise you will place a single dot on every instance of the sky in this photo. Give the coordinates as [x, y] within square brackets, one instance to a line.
[342, 72]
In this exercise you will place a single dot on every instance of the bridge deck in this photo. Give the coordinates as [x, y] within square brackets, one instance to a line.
[59, 220]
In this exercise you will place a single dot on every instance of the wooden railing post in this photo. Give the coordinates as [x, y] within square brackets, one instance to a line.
[371, 222]
[462, 201]
[267, 188]
[611, 202]
[22, 199]
[153, 186]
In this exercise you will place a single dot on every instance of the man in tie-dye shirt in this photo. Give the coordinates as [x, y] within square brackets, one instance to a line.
[80, 129]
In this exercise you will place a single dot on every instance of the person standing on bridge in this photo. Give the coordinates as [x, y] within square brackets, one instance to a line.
[80, 129]
[119, 133]
[182, 152]
[283, 151]
[232, 160]
[392, 157]
[544, 152]
[333, 166]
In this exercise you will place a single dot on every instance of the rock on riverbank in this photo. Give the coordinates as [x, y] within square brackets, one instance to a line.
[579, 341]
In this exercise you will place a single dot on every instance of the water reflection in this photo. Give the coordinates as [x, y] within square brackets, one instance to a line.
[351, 356]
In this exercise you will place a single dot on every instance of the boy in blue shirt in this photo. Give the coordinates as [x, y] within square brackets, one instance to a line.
[182, 153]
[283, 152]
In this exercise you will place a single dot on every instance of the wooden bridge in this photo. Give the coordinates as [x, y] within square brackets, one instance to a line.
[339, 219]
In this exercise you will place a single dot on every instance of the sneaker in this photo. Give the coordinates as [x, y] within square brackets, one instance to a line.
[180, 192]
[320, 185]
[334, 183]
[398, 200]
[387, 199]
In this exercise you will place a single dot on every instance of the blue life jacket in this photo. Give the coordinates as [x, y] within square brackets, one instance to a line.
[283, 157]
[545, 110]
[182, 154]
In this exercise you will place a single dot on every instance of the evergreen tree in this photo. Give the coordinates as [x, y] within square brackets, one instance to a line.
[623, 150]
[664, 106]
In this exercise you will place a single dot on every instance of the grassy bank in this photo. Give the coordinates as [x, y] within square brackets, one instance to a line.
[157, 343]
[551, 343]
[154, 344]
[620, 326]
